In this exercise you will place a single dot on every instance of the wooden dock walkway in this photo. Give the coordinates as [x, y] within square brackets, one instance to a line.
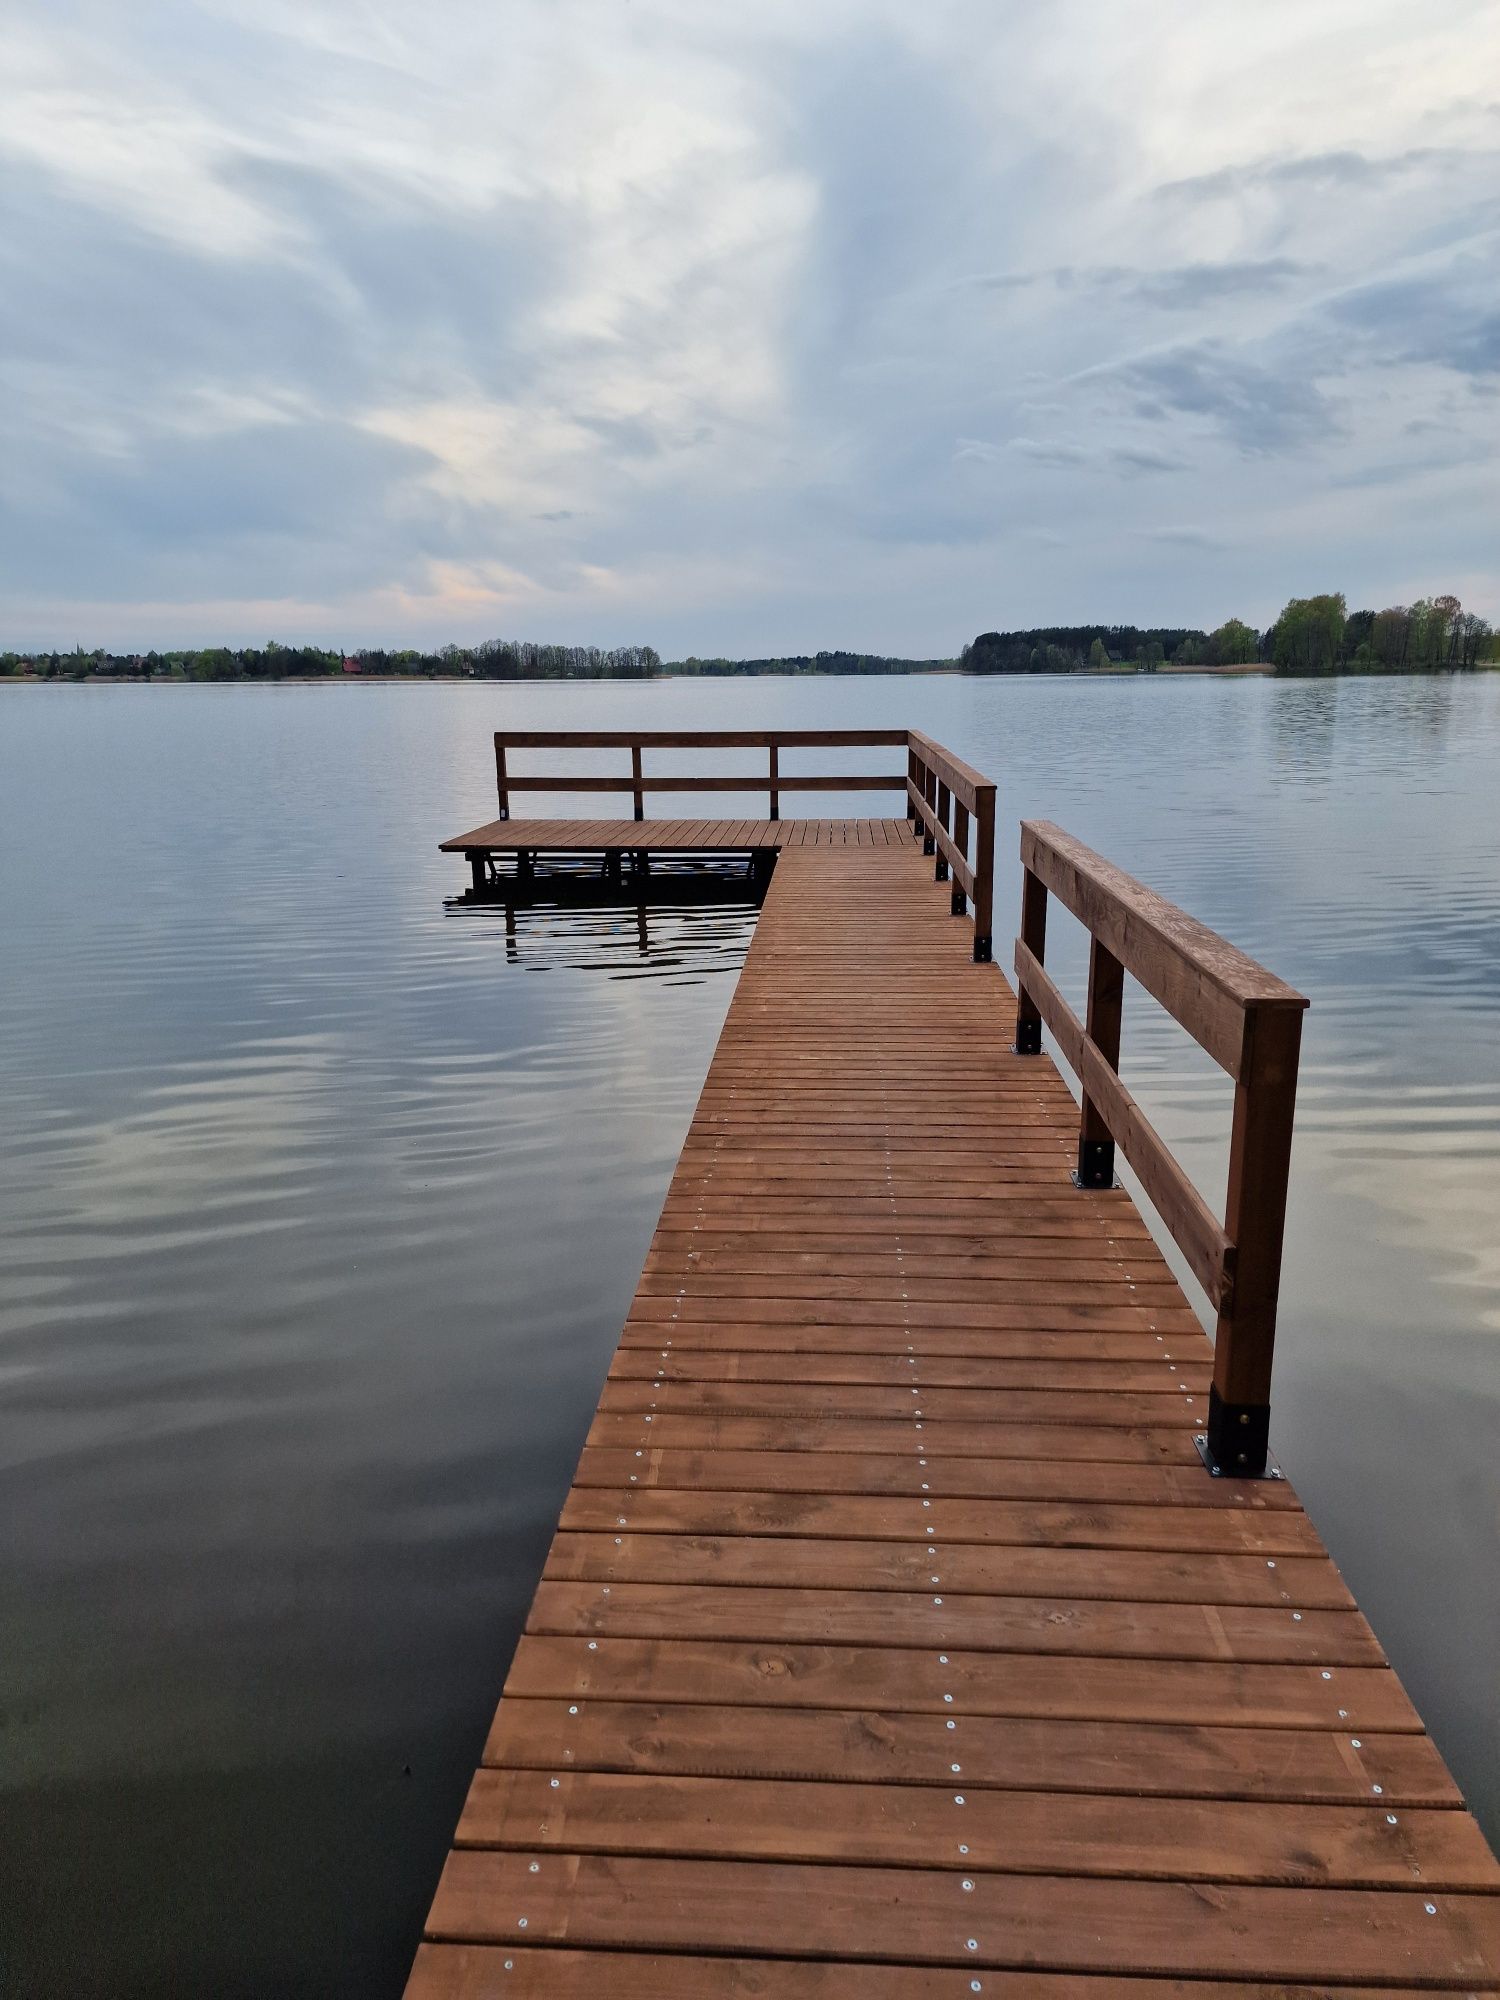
[897, 1642]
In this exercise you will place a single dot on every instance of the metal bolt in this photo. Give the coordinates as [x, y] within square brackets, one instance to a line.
[520, 1923]
[968, 1885]
[1355, 1744]
[535, 1869]
[572, 1708]
[973, 1944]
[952, 1725]
[958, 1798]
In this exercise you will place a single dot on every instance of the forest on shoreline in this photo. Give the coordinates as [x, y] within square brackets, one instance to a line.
[1313, 635]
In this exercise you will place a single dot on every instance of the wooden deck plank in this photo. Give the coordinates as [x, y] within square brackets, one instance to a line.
[494, 1972]
[894, 1639]
[943, 1917]
[1173, 1839]
[955, 1682]
[1047, 1757]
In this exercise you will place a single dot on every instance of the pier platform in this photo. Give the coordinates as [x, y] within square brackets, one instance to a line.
[927, 1617]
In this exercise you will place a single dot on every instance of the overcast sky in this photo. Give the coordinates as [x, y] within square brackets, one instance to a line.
[741, 328]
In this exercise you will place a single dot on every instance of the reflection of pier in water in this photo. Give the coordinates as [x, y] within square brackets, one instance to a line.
[656, 900]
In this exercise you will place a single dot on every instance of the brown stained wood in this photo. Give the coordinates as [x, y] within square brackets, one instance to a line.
[820, 1821]
[980, 1344]
[1061, 1922]
[1260, 1146]
[944, 1619]
[706, 1431]
[901, 1371]
[660, 1509]
[1201, 979]
[1201, 1237]
[723, 1763]
[857, 1747]
[952, 1681]
[1097, 1407]
[1271, 1505]
[955, 1567]
[495, 1972]
[1108, 1306]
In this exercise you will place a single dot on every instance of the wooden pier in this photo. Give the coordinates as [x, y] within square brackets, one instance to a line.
[926, 1618]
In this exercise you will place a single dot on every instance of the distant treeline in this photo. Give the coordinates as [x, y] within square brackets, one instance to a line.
[811, 663]
[1313, 635]
[493, 659]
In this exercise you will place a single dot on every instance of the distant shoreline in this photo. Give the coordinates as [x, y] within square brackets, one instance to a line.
[1120, 673]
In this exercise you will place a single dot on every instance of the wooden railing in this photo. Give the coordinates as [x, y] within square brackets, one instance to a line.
[1250, 1022]
[945, 795]
[950, 802]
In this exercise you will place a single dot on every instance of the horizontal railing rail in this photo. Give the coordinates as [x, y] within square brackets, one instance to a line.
[1250, 1023]
[640, 782]
[951, 803]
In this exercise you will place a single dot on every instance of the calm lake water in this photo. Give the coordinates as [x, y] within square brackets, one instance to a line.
[321, 1204]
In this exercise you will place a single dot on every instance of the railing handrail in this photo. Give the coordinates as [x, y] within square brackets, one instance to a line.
[1204, 982]
[1250, 1022]
[943, 794]
[695, 739]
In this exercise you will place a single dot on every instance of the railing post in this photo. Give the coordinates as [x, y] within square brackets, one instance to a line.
[1096, 1149]
[984, 874]
[958, 903]
[944, 813]
[638, 797]
[774, 781]
[913, 778]
[1034, 937]
[929, 793]
[1260, 1151]
[500, 779]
